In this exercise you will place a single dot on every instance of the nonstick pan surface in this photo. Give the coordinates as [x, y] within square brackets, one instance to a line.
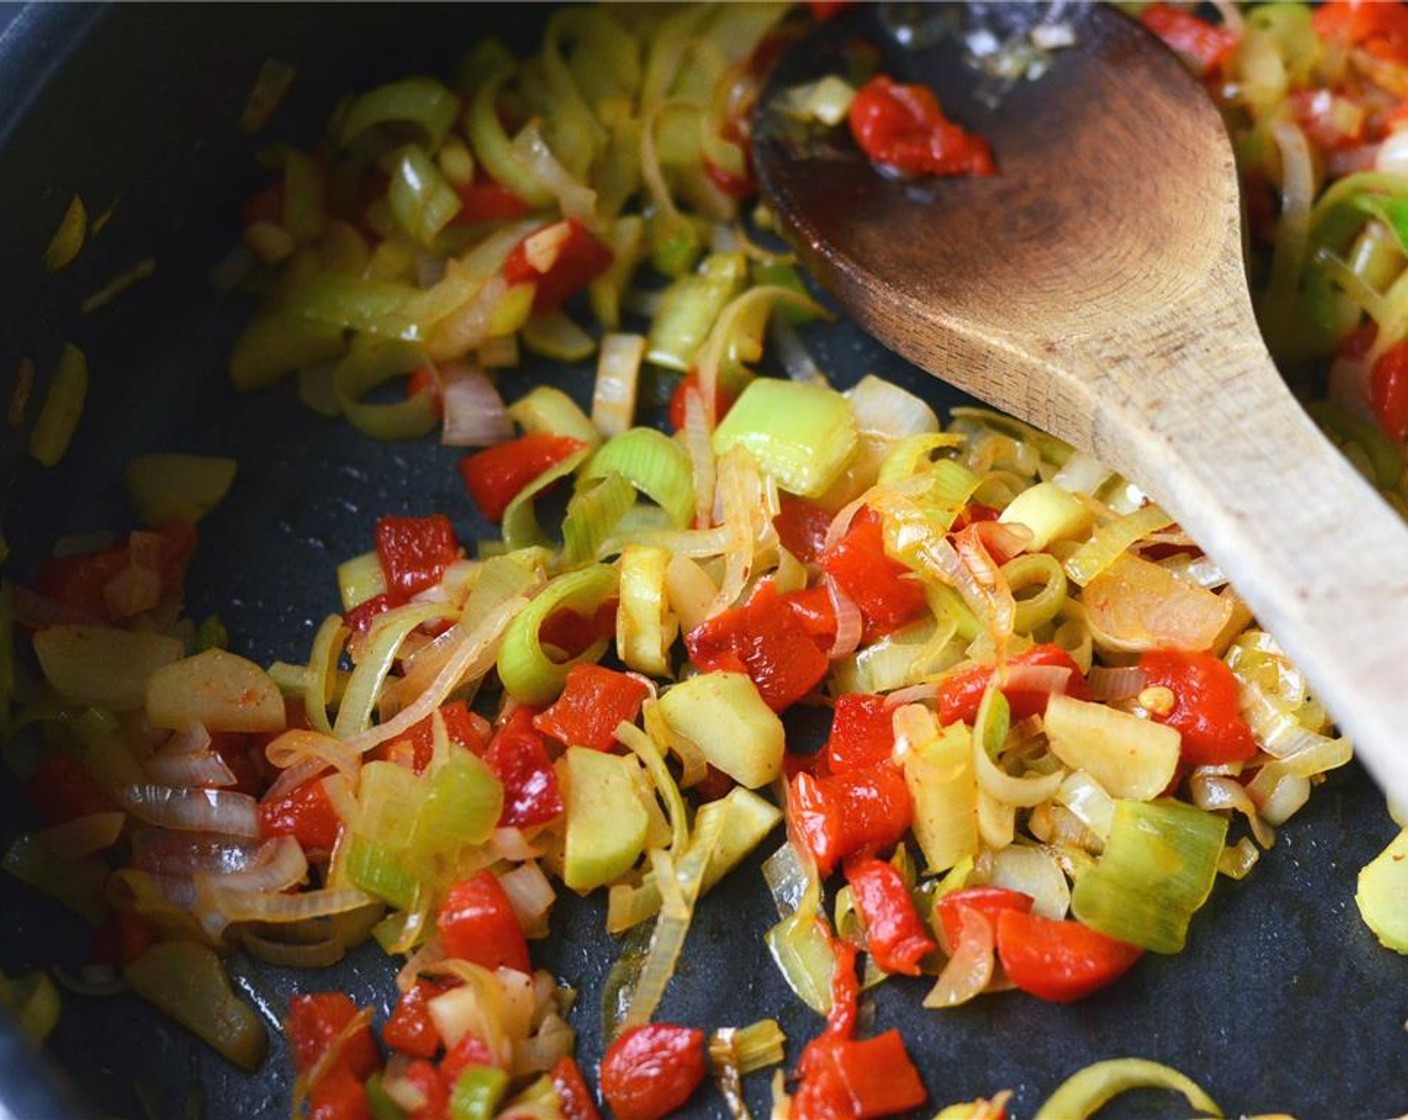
[1283, 1000]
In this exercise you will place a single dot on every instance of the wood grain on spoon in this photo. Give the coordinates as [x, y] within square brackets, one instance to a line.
[1095, 288]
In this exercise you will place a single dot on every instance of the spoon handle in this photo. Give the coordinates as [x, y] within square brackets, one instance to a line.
[1317, 554]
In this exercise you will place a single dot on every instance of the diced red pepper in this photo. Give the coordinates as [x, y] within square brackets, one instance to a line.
[485, 199]
[470, 1050]
[1379, 26]
[410, 1029]
[961, 692]
[593, 703]
[894, 934]
[518, 756]
[338, 1095]
[306, 813]
[651, 1070]
[802, 527]
[62, 788]
[858, 1078]
[736, 186]
[414, 553]
[561, 259]
[1202, 45]
[574, 1098]
[422, 380]
[78, 581]
[417, 747]
[1206, 712]
[763, 639]
[1059, 961]
[854, 812]
[1315, 112]
[862, 733]
[359, 618]
[825, 9]
[714, 785]
[316, 1020]
[573, 633]
[1388, 391]
[882, 588]
[496, 475]
[121, 939]
[988, 901]
[903, 127]
[476, 923]
[723, 400]
[432, 1089]
[814, 610]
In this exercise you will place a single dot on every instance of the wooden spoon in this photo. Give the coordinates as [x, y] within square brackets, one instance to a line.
[1095, 288]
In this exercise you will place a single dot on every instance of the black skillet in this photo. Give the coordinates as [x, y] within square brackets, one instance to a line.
[1283, 1001]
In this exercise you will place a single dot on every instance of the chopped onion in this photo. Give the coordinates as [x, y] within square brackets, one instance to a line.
[796, 358]
[82, 836]
[474, 412]
[278, 865]
[531, 896]
[180, 853]
[1034, 872]
[1045, 679]
[191, 810]
[1124, 682]
[299, 747]
[617, 381]
[970, 968]
[849, 621]
[576, 200]
[189, 769]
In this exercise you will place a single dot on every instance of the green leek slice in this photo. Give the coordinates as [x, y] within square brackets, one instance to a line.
[525, 668]
[171, 487]
[801, 434]
[188, 982]
[1157, 869]
[654, 464]
[1088, 1090]
[63, 405]
[418, 101]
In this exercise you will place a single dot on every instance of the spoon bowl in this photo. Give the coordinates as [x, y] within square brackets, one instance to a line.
[1095, 288]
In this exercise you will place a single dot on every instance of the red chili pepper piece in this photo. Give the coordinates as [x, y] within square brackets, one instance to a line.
[432, 1090]
[315, 1020]
[574, 1098]
[1388, 391]
[306, 813]
[476, 923]
[814, 611]
[470, 1050]
[121, 939]
[410, 1029]
[590, 707]
[1059, 961]
[903, 127]
[802, 527]
[416, 748]
[763, 639]
[862, 733]
[651, 1070]
[496, 475]
[737, 186]
[1380, 28]
[485, 199]
[880, 587]
[988, 901]
[894, 934]
[852, 812]
[561, 258]
[572, 632]
[723, 400]
[961, 692]
[414, 553]
[1206, 712]
[518, 756]
[1204, 46]
[359, 618]
[851, 1078]
[338, 1095]
[62, 788]
[78, 581]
